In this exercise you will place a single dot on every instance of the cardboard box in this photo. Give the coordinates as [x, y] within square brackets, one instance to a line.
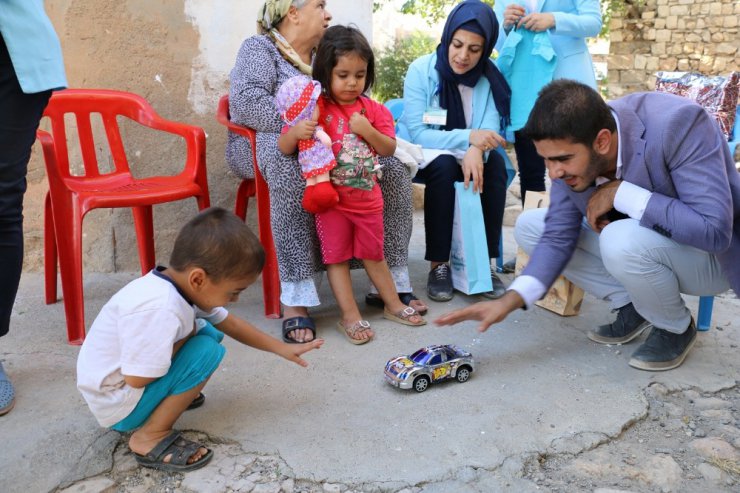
[564, 297]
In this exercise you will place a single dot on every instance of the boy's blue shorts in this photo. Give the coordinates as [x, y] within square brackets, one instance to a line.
[196, 360]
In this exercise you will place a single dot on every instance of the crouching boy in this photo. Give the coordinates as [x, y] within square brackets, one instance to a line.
[155, 344]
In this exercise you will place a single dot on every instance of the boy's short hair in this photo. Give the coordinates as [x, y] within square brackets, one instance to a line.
[219, 243]
[569, 110]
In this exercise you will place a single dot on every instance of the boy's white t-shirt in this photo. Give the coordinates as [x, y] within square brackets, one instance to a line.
[134, 335]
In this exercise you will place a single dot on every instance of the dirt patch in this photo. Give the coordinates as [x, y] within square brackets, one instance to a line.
[689, 441]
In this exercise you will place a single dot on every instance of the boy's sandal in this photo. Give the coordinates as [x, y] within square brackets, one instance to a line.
[7, 393]
[350, 332]
[374, 299]
[181, 450]
[197, 402]
[404, 317]
[297, 323]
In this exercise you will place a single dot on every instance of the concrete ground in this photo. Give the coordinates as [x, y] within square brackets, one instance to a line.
[540, 388]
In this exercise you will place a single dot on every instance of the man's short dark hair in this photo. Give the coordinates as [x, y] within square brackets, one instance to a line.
[338, 41]
[569, 110]
[219, 243]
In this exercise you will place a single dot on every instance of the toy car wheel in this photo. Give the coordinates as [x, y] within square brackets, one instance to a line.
[463, 374]
[421, 384]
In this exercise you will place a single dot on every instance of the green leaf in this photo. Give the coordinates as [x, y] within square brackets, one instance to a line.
[393, 62]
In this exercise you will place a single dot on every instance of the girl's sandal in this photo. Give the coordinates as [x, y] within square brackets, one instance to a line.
[351, 331]
[404, 317]
[410, 299]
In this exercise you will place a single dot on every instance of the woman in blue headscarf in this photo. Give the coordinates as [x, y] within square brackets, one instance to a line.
[457, 103]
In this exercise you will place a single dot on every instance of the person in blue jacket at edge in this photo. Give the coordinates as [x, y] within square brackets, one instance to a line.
[31, 67]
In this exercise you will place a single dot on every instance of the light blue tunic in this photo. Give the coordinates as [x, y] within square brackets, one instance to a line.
[528, 62]
[33, 45]
[575, 20]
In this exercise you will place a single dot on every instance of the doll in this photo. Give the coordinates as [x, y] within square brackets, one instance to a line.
[296, 100]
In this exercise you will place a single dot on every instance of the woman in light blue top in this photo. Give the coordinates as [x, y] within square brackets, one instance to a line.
[30, 67]
[457, 101]
[567, 23]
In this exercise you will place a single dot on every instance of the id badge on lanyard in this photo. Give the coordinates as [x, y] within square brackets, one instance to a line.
[434, 115]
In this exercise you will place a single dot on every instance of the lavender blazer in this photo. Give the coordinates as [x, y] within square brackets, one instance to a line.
[672, 147]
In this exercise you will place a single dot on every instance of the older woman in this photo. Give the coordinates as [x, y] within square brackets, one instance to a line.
[289, 34]
[464, 101]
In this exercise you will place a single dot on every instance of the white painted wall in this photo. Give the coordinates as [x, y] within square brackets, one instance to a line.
[224, 24]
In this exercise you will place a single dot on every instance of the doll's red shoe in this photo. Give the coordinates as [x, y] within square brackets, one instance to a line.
[324, 195]
[320, 197]
[307, 202]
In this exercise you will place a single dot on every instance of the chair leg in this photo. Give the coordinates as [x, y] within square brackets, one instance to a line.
[706, 304]
[144, 237]
[68, 231]
[204, 202]
[50, 254]
[270, 275]
[271, 285]
[246, 190]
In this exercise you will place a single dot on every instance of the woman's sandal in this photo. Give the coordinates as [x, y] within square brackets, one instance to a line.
[181, 450]
[404, 317]
[296, 323]
[351, 331]
[374, 299]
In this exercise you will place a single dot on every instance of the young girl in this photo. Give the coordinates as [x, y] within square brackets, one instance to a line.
[360, 130]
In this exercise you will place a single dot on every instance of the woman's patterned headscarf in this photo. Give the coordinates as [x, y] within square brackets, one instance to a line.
[268, 17]
[271, 13]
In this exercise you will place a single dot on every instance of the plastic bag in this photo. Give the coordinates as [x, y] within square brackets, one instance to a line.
[470, 264]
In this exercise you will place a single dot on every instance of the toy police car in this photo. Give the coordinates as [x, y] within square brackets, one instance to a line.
[427, 365]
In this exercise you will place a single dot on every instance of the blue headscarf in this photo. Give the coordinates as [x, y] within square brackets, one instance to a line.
[478, 18]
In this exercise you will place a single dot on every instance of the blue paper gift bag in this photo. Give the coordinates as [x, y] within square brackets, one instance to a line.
[469, 260]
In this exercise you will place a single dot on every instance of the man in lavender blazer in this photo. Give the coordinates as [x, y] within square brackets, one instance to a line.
[645, 205]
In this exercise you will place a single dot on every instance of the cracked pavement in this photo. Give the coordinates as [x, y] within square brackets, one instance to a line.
[542, 398]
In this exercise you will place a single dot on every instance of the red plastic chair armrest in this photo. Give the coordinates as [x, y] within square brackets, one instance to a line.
[195, 138]
[49, 149]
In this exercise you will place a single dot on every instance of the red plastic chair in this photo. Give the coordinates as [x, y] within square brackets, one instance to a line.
[71, 196]
[250, 188]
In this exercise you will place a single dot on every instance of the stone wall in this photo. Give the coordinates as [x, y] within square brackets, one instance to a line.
[684, 35]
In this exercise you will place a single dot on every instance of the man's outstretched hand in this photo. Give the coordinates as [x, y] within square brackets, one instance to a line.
[486, 312]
